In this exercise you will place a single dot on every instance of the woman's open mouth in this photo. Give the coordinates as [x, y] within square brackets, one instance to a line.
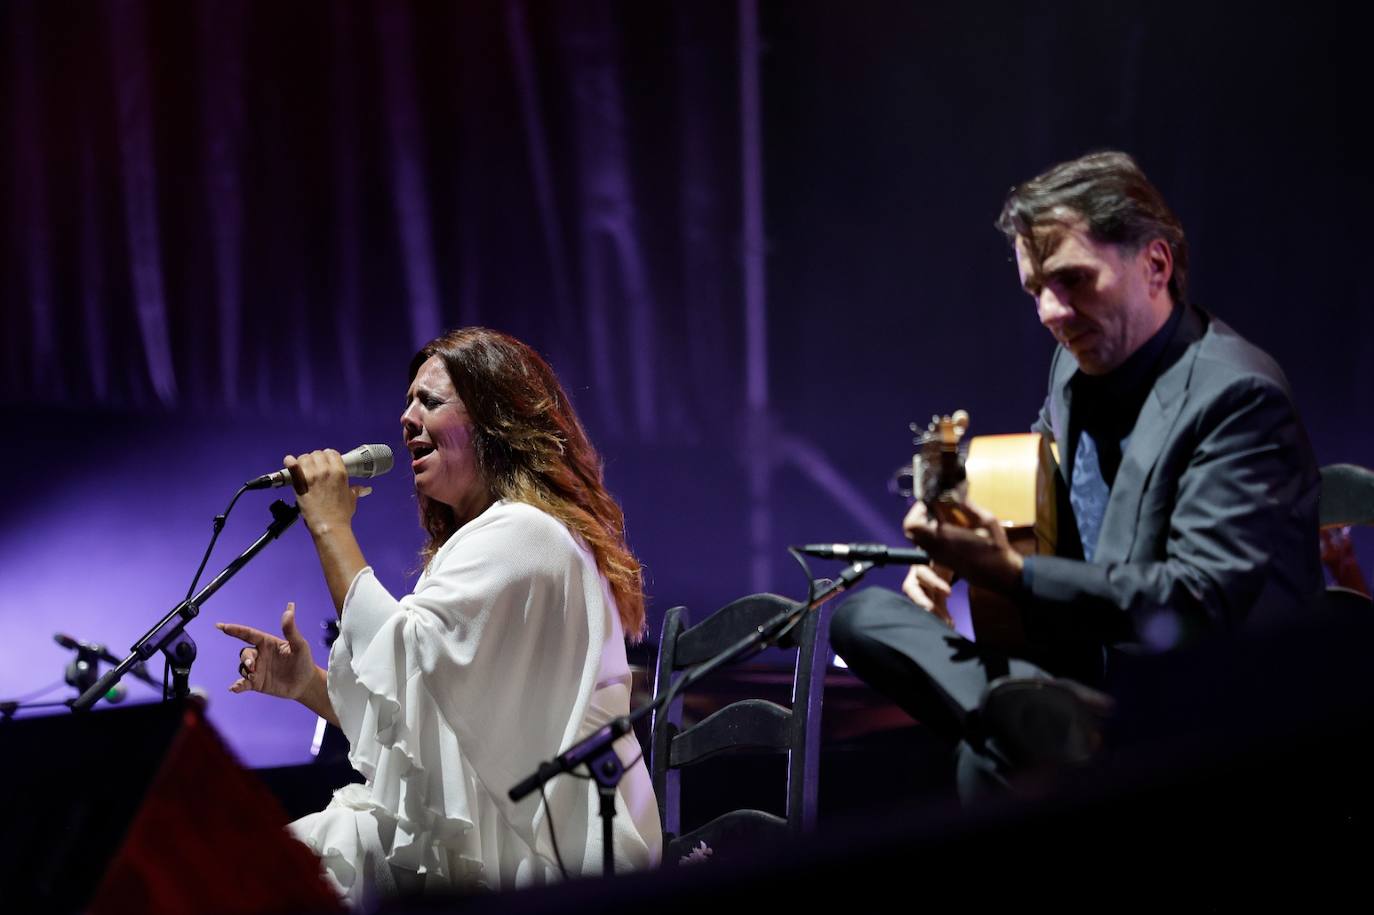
[418, 452]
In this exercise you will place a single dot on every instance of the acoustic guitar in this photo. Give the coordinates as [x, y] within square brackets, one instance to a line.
[1011, 476]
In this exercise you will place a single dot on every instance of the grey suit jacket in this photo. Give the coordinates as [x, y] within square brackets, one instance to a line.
[1212, 518]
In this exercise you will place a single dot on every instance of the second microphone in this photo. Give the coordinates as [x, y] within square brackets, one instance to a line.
[876, 553]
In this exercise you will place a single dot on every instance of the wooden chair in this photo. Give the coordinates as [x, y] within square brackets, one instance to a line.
[1347, 496]
[745, 724]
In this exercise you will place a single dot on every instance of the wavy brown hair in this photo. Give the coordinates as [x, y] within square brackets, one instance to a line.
[531, 448]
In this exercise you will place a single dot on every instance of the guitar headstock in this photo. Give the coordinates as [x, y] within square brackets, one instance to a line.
[938, 466]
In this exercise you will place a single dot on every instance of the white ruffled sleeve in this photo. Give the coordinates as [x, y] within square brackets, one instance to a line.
[474, 679]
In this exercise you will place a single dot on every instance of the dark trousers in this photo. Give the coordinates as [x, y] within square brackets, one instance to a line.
[934, 674]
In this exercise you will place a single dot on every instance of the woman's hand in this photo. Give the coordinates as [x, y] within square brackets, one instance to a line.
[327, 504]
[325, 499]
[275, 666]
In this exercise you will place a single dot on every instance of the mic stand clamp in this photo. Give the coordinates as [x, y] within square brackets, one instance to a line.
[168, 635]
[597, 751]
[181, 654]
[84, 669]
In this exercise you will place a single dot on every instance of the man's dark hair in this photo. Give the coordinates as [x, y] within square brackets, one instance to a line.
[1115, 199]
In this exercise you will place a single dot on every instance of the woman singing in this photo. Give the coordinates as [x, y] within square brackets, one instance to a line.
[510, 649]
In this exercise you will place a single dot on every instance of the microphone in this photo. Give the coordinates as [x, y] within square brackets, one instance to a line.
[363, 462]
[876, 553]
[96, 650]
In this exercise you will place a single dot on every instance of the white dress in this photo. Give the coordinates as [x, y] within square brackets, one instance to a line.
[509, 651]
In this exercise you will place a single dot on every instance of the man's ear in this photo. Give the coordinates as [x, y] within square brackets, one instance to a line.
[1158, 261]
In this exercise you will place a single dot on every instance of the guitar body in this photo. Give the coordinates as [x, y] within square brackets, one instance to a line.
[1011, 476]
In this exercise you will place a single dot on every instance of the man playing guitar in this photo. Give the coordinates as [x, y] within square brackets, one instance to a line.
[1186, 488]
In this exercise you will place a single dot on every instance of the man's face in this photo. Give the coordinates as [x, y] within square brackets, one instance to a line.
[1099, 301]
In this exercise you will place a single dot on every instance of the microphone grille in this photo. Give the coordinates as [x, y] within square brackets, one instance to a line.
[371, 460]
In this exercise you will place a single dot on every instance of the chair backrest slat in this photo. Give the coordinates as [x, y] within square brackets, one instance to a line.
[750, 724]
[726, 626]
[738, 827]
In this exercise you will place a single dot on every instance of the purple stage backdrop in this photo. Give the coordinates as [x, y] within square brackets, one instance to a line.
[753, 238]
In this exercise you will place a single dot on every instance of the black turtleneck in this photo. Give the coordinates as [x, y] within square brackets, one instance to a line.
[1107, 406]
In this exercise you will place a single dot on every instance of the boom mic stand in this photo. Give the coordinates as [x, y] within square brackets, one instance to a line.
[169, 636]
[597, 751]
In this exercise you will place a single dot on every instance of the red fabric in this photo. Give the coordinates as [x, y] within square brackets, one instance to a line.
[210, 838]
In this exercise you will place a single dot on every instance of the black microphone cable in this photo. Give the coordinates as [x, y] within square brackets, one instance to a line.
[218, 525]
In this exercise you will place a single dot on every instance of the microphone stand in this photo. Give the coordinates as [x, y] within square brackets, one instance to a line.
[169, 635]
[597, 751]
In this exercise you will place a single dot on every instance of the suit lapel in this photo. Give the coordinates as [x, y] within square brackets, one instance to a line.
[1155, 426]
[1061, 398]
